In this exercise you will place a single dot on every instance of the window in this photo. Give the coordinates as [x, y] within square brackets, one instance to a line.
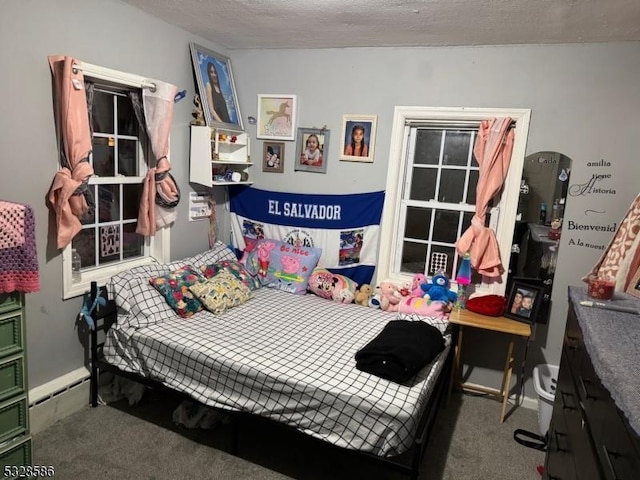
[431, 192]
[108, 242]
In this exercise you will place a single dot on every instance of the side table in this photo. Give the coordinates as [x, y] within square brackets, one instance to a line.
[465, 318]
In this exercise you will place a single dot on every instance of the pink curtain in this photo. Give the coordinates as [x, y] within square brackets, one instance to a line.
[492, 151]
[67, 195]
[160, 192]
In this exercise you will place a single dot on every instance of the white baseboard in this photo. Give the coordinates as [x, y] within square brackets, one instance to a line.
[57, 399]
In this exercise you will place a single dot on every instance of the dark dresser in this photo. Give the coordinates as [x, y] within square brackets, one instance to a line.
[595, 425]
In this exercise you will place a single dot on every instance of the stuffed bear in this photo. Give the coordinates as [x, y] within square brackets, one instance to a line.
[363, 294]
[438, 289]
[390, 297]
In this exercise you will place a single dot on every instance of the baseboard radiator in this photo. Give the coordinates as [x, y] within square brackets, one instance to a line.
[57, 399]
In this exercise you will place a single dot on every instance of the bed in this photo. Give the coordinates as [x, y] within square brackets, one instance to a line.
[285, 357]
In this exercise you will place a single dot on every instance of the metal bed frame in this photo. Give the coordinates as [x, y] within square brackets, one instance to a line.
[408, 462]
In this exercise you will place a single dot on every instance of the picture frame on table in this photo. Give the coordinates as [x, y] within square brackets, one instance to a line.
[273, 157]
[216, 88]
[358, 138]
[634, 285]
[312, 148]
[525, 300]
[276, 117]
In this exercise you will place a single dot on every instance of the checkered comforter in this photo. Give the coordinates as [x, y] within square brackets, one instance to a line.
[283, 356]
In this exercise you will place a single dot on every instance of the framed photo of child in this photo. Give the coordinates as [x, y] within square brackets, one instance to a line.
[313, 144]
[273, 157]
[217, 89]
[358, 138]
[524, 302]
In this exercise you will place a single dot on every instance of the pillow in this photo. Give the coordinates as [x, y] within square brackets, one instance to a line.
[130, 287]
[236, 269]
[441, 322]
[174, 287]
[332, 286]
[283, 266]
[221, 292]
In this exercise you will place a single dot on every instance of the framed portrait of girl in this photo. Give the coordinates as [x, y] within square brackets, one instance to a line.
[216, 88]
[358, 138]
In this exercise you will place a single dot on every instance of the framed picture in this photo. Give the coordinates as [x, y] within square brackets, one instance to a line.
[313, 143]
[216, 88]
[358, 138]
[524, 302]
[276, 117]
[634, 285]
[273, 157]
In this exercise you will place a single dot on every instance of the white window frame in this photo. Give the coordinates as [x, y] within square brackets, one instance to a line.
[508, 203]
[159, 246]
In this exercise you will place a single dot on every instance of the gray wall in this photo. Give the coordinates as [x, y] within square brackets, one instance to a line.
[584, 100]
[106, 33]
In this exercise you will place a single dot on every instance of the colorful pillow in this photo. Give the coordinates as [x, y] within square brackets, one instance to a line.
[283, 266]
[236, 269]
[221, 292]
[332, 286]
[174, 287]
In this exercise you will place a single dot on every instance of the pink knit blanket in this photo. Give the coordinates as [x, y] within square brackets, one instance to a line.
[18, 257]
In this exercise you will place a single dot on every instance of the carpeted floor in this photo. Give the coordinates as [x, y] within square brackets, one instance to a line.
[118, 442]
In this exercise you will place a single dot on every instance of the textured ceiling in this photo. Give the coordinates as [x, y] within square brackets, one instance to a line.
[357, 23]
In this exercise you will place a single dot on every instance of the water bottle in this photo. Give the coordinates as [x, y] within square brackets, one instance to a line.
[543, 213]
[76, 264]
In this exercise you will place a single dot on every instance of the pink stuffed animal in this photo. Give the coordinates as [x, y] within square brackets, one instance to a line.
[390, 297]
[416, 290]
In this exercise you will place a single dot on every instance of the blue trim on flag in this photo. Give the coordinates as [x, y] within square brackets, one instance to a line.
[360, 274]
[307, 210]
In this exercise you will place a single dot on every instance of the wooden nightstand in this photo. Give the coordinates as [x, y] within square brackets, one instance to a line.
[465, 318]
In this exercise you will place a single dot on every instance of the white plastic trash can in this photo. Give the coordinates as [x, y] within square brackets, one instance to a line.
[545, 382]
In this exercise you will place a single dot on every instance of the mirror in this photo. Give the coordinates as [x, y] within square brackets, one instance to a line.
[536, 238]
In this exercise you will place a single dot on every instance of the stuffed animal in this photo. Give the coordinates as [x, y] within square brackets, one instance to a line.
[438, 289]
[405, 289]
[390, 297]
[363, 294]
[375, 300]
[418, 279]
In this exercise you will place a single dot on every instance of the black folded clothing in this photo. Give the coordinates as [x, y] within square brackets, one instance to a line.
[400, 350]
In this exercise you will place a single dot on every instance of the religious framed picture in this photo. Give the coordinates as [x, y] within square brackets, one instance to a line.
[358, 138]
[276, 117]
[634, 285]
[313, 144]
[273, 157]
[524, 302]
[216, 88]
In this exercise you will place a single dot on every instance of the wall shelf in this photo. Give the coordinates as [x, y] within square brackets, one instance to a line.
[212, 154]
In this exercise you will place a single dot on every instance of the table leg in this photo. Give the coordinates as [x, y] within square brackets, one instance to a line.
[455, 370]
[506, 379]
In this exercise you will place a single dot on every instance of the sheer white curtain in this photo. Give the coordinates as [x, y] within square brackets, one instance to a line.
[160, 192]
